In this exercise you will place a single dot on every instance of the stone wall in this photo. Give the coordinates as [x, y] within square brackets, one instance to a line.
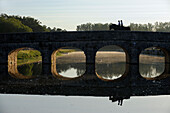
[89, 42]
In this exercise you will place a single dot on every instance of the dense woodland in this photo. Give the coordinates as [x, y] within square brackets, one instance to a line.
[12, 23]
[23, 24]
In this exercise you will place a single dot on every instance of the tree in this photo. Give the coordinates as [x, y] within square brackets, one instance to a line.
[32, 23]
[157, 27]
[92, 27]
[12, 25]
[160, 26]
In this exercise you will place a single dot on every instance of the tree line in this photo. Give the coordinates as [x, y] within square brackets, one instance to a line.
[15, 23]
[156, 27]
[12, 23]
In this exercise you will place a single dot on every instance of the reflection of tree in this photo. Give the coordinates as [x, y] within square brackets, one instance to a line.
[111, 70]
[151, 70]
[80, 67]
[26, 70]
[30, 69]
[37, 68]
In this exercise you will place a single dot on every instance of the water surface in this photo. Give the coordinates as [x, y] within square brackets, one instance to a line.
[63, 104]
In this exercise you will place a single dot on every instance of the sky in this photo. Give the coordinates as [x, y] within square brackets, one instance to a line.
[67, 14]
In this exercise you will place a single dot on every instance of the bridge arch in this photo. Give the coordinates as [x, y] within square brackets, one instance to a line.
[114, 58]
[156, 61]
[66, 60]
[13, 62]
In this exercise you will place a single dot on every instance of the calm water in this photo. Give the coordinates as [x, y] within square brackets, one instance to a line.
[108, 71]
[33, 69]
[63, 104]
[71, 69]
[151, 70]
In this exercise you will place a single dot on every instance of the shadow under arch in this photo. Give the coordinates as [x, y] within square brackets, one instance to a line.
[73, 60]
[119, 52]
[13, 64]
[165, 57]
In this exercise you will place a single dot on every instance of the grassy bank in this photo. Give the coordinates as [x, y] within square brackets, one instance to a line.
[28, 56]
[29, 61]
[60, 52]
[33, 56]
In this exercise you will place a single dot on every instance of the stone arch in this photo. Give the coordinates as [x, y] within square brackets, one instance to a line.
[114, 49]
[54, 56]
[165, 58]
[121, 45]
[12, 64]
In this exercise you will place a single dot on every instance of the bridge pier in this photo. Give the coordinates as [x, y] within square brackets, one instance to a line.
[90, 53]
[3, 72]
[134, 64]
[46, 63]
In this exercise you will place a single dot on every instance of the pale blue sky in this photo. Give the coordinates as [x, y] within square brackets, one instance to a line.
[67, 14]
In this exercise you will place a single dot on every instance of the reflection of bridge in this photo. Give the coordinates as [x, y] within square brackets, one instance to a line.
[131, 84]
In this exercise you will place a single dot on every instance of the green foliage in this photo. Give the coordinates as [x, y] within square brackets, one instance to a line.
[64, 51]
[12, 25]
[34, 24]
[56, 29]
[160, 26]
[23, 24]
[27, 54]
[93, 27]
[157, 27]
[32, 69]
[34, 53]
[28, 70]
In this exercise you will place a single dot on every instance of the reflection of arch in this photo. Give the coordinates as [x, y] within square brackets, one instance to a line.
[13, 71]
[154, 53]
[109, 49]
[53, 65]
[12, 56]
[54, 62]
[12, 64]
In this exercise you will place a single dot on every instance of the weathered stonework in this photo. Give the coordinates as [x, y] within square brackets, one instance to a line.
[133, 84]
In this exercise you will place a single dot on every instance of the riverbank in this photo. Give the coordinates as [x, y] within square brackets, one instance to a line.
[28, 57]
[102, 57]
[61, 52]
[34, 56]
[29, 61]
[105, 57]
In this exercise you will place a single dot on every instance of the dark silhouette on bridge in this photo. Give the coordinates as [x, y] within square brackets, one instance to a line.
[119, 26]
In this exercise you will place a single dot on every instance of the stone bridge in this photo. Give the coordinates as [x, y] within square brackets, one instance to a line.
[131, 84]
